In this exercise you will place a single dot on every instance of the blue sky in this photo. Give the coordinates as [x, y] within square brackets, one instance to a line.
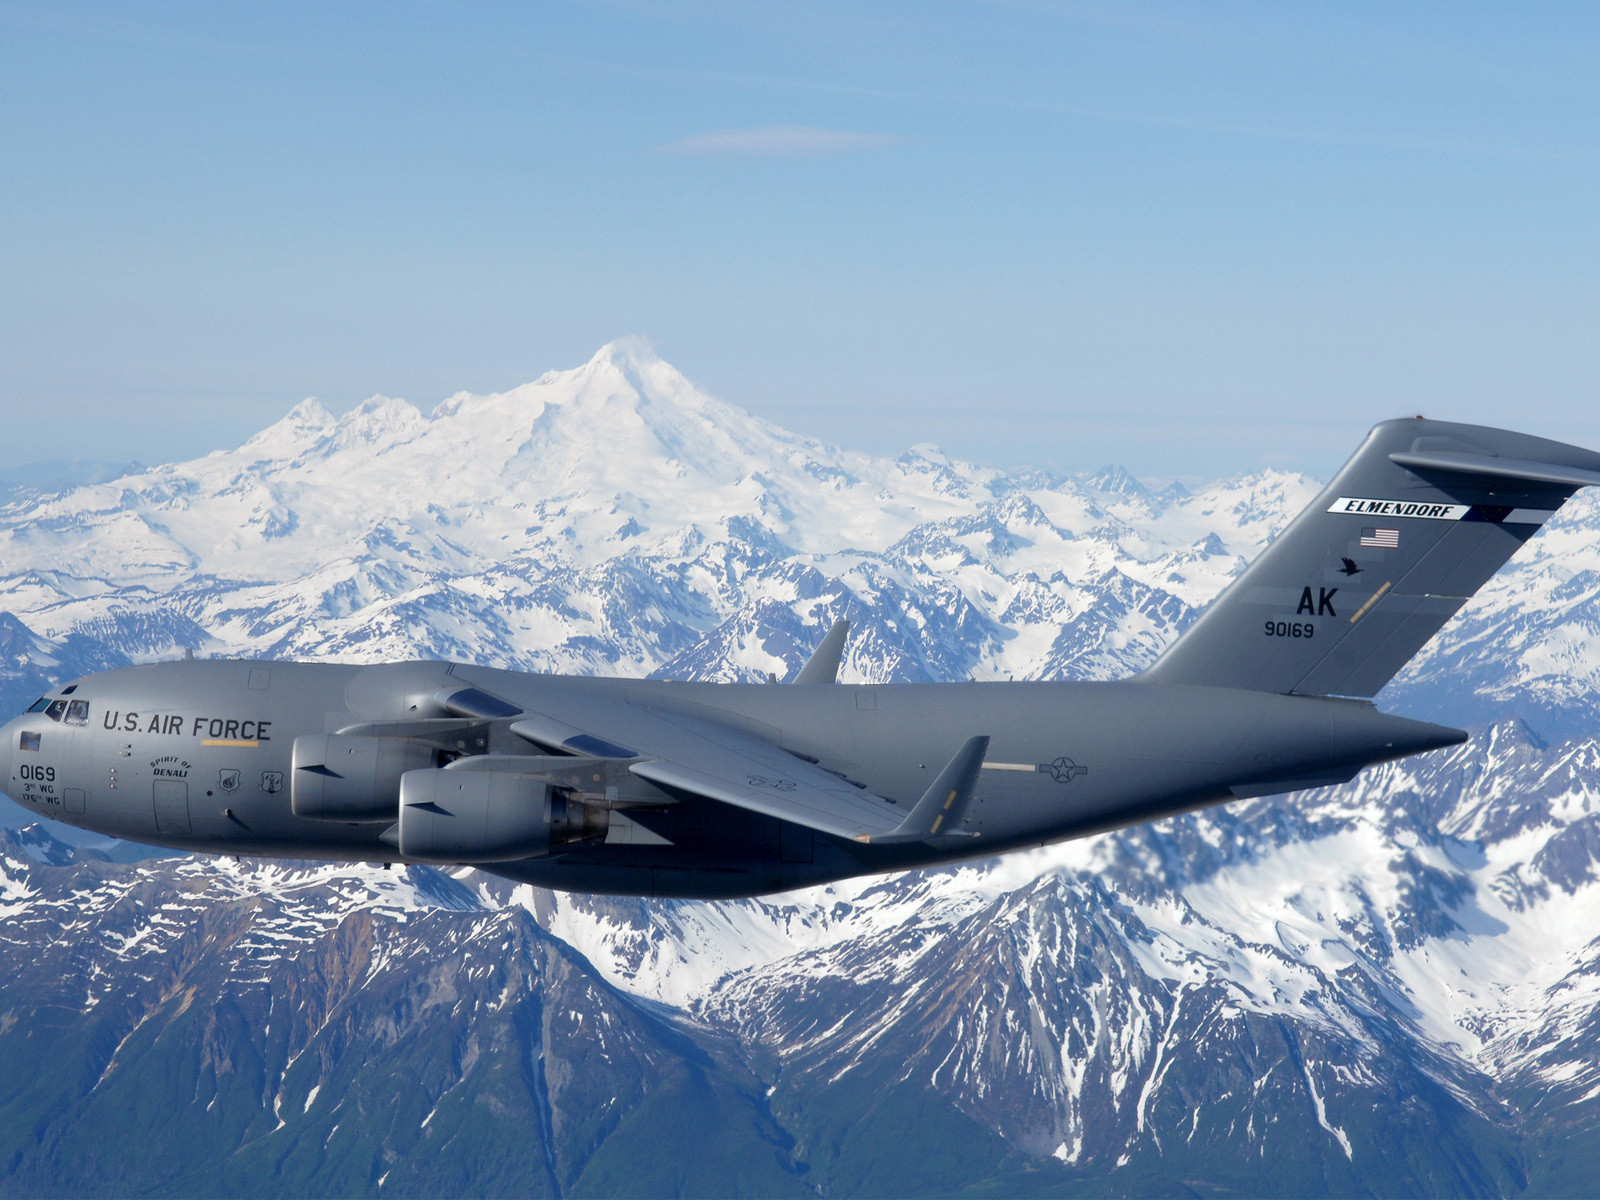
[1193, 239]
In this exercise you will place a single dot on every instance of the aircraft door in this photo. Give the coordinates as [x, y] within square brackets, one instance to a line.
[171, 805]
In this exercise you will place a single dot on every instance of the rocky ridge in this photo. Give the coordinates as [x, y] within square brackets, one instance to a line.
[1386, 987]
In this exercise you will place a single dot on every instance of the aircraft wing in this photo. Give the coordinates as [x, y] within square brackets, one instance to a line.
[723, 763]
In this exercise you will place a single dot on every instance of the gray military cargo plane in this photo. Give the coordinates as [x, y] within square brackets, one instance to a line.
[659, 788]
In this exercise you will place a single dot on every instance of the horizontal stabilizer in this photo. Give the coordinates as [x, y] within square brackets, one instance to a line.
[1493, 467]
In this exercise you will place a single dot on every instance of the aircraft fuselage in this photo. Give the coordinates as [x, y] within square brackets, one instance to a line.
[200, 755]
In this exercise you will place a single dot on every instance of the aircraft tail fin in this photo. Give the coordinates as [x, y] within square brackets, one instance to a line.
[1418, 519]
[823, 665]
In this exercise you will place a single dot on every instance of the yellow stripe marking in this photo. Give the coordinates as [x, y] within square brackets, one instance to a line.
[1376, 596]
[228, 742]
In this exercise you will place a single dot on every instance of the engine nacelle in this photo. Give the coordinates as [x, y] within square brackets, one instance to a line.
[486, 816]
[339, 778]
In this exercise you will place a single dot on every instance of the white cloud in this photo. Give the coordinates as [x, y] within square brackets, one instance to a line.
[780, 141]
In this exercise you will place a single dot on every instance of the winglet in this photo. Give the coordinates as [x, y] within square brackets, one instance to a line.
[944, 804]
[823, 666]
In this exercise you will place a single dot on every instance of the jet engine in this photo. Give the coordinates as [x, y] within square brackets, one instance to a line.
[339, 778]
[485, 816]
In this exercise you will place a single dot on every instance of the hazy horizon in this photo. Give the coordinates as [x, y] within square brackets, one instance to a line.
[1188, 241]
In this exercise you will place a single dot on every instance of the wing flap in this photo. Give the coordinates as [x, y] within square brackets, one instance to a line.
[787, 799]
[702, 756]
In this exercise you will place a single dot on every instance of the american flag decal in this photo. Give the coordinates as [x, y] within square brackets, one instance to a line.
[1381, 539]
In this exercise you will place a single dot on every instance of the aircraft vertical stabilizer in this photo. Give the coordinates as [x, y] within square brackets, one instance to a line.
[823, 665]
[1422, 515]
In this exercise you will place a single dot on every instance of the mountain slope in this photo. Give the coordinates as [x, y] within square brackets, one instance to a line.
[202, 1029]
[1387, 987]
[615, 518]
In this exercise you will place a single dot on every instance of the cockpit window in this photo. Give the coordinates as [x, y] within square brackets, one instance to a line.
[39, 705]
[69, 689]
[55, 709]
[77, 713]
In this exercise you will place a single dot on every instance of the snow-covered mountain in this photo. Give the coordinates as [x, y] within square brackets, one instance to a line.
[1387, 987]
[615, 518]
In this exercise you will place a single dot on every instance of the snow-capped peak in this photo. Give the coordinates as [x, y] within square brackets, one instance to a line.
[299, 429]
